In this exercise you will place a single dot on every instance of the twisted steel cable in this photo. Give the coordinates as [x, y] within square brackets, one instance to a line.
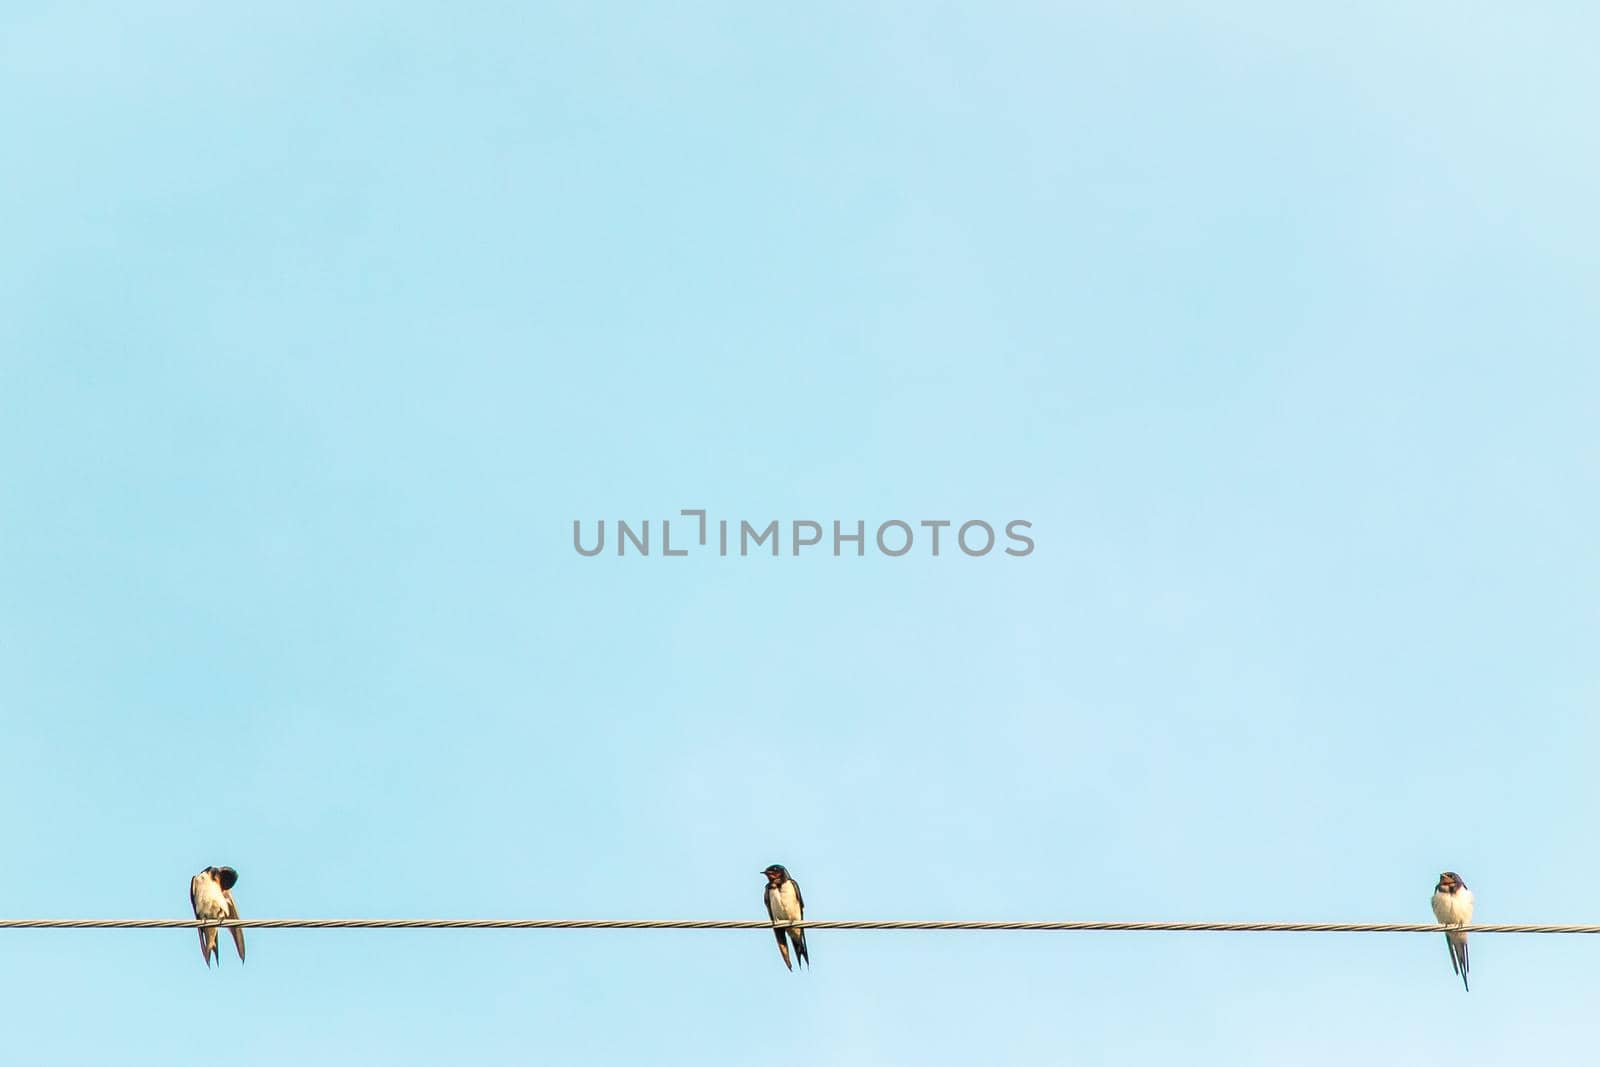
[1066, 926]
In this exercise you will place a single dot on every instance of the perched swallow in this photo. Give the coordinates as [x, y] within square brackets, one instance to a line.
[1452, 906]
[209, 892]
[786, 905]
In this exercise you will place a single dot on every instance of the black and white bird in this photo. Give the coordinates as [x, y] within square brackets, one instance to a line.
[1452, 906]
[210, 892]
[786, 905]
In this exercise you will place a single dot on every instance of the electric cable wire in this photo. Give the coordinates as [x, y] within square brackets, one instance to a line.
[1046, 925]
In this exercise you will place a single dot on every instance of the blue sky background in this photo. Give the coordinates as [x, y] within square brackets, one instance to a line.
[322, 323]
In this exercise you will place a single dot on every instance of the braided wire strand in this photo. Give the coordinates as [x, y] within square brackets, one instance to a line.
[1062, 926]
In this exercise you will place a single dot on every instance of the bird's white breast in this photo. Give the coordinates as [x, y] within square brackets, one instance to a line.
[1453, 907]
[782, 904]
[208, 899]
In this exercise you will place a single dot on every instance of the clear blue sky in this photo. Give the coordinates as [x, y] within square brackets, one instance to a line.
[320, 326]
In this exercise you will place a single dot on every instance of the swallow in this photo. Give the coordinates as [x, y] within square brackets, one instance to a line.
[786, 905]
[1452, 906]
[210, 894]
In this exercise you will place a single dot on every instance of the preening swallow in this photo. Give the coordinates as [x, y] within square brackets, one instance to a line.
[210, 893]
[786, 905]
[1452, 905]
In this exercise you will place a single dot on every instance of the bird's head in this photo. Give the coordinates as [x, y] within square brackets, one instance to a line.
[1449, 882]
[777, 874]
[223, 876]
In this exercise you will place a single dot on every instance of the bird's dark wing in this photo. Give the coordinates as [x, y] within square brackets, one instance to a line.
[766, 902]
[798, 899]
[194, 904]
[236, 931]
